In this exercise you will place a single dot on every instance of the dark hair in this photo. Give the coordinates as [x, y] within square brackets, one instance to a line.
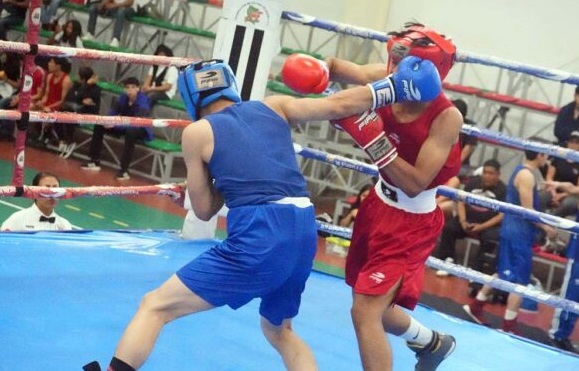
[42, 61]
[43, 174]
[64, 64]
[493, 163]
[131, 81]
[530, 154]
[162, 48]
[358, 201]
[85, 73]
[75, 35]
[461, 106]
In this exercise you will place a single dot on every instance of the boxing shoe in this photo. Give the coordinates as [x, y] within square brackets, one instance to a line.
[431, 355]
[93, 366]
[511, 326]
[475, 311]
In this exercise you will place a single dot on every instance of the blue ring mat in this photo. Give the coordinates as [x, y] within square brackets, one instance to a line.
[67, 297]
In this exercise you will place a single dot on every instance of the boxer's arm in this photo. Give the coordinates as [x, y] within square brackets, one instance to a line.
[197, 143]
[344, 103]
[431, 158]
[351, 73]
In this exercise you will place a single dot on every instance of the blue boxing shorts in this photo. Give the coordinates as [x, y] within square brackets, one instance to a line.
[268, 254]
[515, 259]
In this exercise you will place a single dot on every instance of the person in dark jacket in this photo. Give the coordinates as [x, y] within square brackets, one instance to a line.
[132, 103]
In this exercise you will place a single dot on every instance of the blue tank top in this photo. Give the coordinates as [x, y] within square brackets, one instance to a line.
[253, 161]
[513, 225]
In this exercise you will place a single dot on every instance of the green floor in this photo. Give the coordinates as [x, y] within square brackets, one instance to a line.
[92, 212]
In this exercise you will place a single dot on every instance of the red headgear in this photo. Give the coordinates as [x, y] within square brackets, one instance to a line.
[423, 43]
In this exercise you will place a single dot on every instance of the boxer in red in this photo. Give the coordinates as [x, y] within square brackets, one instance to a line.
[416, 148]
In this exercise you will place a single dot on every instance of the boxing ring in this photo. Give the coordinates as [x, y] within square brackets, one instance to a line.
[67, 297]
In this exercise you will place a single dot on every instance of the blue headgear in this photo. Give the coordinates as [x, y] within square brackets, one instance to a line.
[202, 83]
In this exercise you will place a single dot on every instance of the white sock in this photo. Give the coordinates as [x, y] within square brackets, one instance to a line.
[481, 297]
[417, 333]
[510, 314]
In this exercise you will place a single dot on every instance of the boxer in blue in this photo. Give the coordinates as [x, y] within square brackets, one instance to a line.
[241, 154]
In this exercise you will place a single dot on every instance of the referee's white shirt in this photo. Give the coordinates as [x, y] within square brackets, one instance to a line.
[29, 220]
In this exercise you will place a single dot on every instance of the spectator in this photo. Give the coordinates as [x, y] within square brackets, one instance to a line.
[40, 216]
[347, 220]
[517, 235]
[132, 103]
[69, 36]
[447, 205]
[476, 221]
[48, 14]
[118, 9]
[562, 170]
[84, 97]
[467, 142]
[10, 72]
[58, 83]
[15, 13]
[567, 120]
[36, 92]
[161, 81]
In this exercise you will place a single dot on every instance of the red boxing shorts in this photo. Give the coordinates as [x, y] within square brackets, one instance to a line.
[389, 245]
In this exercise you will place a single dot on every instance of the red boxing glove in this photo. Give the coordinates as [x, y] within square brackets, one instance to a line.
[367, 130]
[305, 74]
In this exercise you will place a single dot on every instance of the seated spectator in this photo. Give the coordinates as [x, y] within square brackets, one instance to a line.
[13, 13]
[161, 81]
[132, 103]
[467, 142]
[447, 205]
[48, 11]
[562, 170]
[36, 92]
[41, 215]
[10, 72]
[347, 220]
[69, 36]
[84, 97]
[58, 83]
[567, 120]
[476, 221]
[118, 9]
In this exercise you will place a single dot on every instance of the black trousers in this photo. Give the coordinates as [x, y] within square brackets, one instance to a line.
[488, 243]
[132, 135]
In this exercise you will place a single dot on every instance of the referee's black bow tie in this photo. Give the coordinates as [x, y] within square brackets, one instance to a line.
[47, 219]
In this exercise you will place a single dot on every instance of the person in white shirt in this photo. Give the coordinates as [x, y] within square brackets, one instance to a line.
[161, 81]
[40, 216]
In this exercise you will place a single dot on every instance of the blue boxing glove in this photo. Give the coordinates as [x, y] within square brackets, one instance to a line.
[415, 80]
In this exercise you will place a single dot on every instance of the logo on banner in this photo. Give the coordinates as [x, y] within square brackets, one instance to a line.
[254, 13]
